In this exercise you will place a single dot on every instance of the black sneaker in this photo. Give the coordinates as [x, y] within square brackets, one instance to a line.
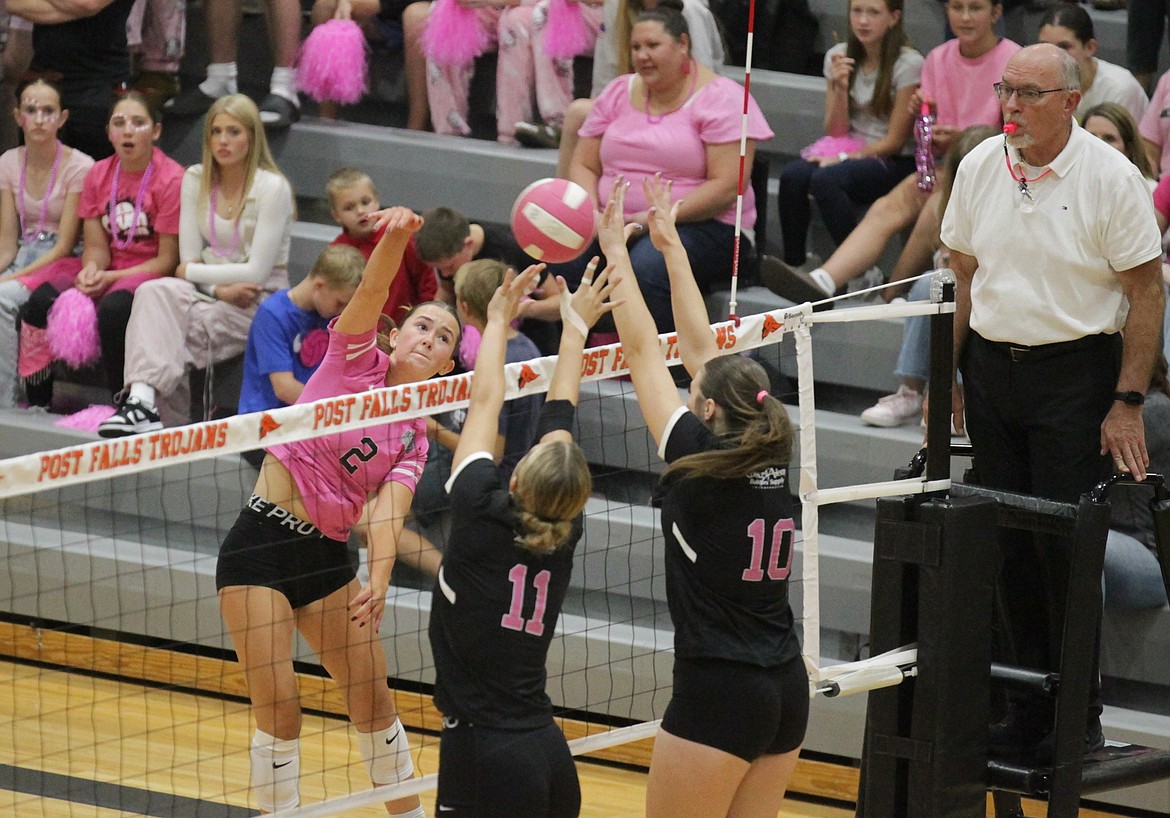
[189, 104]
[133, 417]
[790, 282]
[278, 113]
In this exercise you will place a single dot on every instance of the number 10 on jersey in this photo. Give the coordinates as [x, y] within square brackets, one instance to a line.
[780, 551]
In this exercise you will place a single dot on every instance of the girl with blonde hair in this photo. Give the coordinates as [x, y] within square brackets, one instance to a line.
[504, 576]
[234, 234]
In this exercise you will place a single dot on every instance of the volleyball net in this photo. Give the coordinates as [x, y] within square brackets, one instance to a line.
[110, 550]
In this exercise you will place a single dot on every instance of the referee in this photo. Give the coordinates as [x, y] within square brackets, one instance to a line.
[1056, 254]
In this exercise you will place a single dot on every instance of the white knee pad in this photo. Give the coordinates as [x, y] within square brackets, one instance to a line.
[276, 772]
[387, 754]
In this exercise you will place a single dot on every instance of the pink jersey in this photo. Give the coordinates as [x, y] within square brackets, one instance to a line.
[160, 206]
[674, 144]
[962, 87]
[336, 474]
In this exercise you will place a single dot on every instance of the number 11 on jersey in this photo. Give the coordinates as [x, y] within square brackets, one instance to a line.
[519, 579]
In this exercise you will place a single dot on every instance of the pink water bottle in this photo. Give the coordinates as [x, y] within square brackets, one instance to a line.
[924, 147]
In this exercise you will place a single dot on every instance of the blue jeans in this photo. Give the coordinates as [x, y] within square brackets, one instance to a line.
[1133, 578]
[914, 357]
[709, 248]
[838, 190]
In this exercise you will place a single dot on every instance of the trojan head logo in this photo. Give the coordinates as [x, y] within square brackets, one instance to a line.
[267, 424]
[408, 441]
[527, 376]
[770, 325]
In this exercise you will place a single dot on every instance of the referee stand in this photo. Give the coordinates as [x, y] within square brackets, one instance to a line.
[926, 751]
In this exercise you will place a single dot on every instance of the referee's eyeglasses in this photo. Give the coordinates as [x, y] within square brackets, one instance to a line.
[1027, 96]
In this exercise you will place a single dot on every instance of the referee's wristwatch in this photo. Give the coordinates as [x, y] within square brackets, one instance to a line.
[1130, 398]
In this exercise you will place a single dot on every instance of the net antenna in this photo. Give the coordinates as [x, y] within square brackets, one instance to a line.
[743, 129]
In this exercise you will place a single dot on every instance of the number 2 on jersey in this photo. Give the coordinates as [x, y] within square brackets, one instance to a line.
[519, 579]
[365, 454]
[780, 557]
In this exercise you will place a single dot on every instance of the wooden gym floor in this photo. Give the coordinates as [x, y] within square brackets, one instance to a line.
[146, 731]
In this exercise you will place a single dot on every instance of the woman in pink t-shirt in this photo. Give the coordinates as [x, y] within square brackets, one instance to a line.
[284, 566]
[679, 118]
[130, 208]
[40, 186]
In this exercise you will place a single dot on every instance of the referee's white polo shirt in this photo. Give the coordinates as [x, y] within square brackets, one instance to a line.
[1046, 262]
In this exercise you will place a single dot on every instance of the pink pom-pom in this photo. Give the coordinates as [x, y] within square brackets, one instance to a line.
[469, 346]
[453, 35]
[87, 420]
[72, 328]
[831, 146]
[333, 66]
[565, 33]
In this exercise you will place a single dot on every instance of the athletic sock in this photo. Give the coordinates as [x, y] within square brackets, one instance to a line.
[221, 79]
[284, 83]
[823, 280]
[144, 392]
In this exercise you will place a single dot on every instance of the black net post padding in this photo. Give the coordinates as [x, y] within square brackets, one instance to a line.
[1078, 651]
[942, 377]
[925, 752]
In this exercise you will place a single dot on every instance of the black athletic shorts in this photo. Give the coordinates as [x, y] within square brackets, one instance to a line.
[280, 551]
[738, 708]
[487, 773]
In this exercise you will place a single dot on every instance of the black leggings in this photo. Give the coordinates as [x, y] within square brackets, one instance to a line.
[113, 315]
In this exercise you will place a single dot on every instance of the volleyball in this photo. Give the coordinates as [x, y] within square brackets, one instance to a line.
[552, 220]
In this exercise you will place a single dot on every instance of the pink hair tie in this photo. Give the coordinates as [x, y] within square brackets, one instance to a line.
[763, 393]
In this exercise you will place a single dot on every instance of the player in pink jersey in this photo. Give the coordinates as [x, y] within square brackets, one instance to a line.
[284, 566]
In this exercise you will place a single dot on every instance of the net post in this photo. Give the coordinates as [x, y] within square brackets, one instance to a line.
[942, 377]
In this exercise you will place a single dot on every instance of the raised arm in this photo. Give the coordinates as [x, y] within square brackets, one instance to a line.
[657, 394]
[695, 339]
[580, 312]
[481, 428]
[361, 313]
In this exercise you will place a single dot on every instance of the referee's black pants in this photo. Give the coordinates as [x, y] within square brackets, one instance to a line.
[1034, 419]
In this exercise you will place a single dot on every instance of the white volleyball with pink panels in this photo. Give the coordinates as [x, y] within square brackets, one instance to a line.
[552, 220]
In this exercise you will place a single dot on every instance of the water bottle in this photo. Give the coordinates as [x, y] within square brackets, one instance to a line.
[924, 147]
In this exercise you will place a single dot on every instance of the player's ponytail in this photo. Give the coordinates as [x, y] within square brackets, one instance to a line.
[755, 428]
[552, 485]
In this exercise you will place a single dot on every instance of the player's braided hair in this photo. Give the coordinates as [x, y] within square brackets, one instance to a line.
[755, 428]
[552, 487]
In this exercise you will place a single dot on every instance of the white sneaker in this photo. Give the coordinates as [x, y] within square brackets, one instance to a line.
[893, 410]
[132, 418]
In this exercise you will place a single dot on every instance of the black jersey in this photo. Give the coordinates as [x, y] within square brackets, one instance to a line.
[495, 608]
[729, 549]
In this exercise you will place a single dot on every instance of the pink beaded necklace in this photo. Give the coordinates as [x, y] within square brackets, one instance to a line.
[26, 234]
[231, 251]
[122, 244]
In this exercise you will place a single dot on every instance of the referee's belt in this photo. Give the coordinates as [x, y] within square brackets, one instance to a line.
[1024, 354]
